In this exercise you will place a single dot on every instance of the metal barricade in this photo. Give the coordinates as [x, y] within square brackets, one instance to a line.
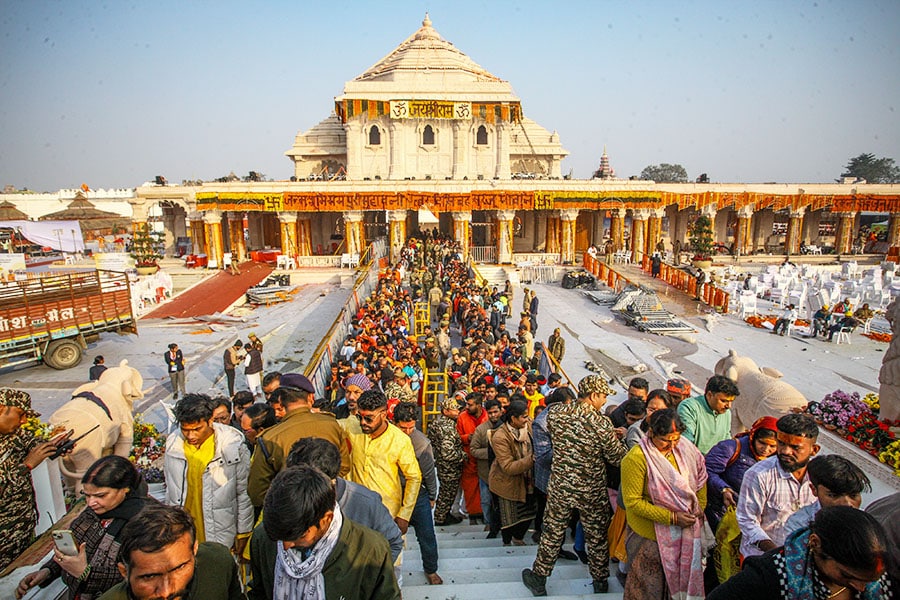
[435, 387]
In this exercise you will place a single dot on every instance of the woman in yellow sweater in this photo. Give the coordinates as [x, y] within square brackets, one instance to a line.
[664, 491]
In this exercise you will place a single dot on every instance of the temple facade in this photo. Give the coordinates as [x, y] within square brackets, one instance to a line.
[427, 131]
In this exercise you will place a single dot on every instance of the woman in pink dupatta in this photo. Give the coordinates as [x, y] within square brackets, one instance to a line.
[664, 490]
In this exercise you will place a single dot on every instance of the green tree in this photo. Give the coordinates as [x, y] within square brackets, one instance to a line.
[873, 170]
[665, 173]
[701, 237]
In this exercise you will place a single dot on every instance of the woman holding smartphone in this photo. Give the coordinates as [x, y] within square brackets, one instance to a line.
[114, 492]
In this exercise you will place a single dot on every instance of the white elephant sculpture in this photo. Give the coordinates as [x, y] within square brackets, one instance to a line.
[763, 393]
[106, 403]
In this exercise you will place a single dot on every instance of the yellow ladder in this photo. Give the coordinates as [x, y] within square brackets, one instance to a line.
[435, 388]
[422, 320]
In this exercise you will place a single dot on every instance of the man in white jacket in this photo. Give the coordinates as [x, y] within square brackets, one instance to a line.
[206, 467]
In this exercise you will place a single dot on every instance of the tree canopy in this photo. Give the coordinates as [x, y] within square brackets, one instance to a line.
[665, 173]
[873, 170]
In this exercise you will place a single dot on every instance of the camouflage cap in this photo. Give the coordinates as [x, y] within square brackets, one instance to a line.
[594, 384]
[450, 403]
[17, 399]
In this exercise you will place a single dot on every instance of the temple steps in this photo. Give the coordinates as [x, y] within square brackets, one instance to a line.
[475, 568]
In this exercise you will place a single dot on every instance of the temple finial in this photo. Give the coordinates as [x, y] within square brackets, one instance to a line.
[427, 21]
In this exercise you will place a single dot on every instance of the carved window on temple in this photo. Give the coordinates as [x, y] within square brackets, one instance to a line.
[374, 136]
[428, 136]
[481, 136]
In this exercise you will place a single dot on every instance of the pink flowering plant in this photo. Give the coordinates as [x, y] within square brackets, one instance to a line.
[838, 408]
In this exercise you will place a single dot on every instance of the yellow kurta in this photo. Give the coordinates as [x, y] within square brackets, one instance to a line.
[639, 510]
[375, 463]
[197, 460]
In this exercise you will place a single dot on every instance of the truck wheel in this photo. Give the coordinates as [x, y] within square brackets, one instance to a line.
[62, 354]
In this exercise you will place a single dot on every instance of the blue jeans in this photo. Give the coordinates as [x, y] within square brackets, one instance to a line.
[423, 523]
[579, 537]
[486, 511]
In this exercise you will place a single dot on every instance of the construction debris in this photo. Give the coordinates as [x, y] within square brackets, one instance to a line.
[641, 308]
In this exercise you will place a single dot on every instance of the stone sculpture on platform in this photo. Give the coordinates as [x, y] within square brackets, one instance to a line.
[763, 393]
[107, 404]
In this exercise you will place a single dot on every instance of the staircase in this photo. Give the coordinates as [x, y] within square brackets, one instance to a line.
[495, 274]
[475, 568]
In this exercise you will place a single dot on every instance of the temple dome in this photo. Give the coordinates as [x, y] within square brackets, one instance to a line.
[426, 65]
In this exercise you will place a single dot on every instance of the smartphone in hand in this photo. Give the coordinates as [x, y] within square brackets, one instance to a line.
[65, 542]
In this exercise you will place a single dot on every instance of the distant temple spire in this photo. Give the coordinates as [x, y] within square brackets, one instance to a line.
[605, 171]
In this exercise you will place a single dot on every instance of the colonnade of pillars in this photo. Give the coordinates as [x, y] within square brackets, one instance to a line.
[296, 232]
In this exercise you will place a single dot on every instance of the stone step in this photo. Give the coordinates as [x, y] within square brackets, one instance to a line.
[496, 589]
[474, 567]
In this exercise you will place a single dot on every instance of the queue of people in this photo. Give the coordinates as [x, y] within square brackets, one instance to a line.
[317, 493]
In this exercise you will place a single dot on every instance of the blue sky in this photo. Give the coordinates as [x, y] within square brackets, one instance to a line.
[112, 94]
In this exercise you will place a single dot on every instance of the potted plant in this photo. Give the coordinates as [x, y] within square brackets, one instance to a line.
[701, 241]
[146, 249]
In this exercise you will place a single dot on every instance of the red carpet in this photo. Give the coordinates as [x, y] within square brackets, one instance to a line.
[213, 294]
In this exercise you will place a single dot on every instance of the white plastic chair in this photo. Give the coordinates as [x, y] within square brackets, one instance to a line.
[843, 334]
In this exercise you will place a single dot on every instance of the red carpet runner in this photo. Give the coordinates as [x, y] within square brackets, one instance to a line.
[213, 294]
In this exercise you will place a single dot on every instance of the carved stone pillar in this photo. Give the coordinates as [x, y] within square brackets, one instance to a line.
[893, 237]
[638, 234]
[462, 229]
[654, 230]
[552, 244]
[236, 235]
[794, 230]
[288, 222]
[214, 240]
[742, 233]
[354, 231]
[459, 167]
[396, 170]
[567, 245]
[198, 234]
[502, 170]
[355, 144]
[304, 234]
[396, 232]
[617, 227]
[843, 237]
[505, 236]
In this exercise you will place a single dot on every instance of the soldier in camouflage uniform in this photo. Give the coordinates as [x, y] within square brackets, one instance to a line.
[431, 354]
[584, 441]
[20, 452]
[449, 458]
[398, 388]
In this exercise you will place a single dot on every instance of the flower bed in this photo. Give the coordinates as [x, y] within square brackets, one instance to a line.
[855, 419]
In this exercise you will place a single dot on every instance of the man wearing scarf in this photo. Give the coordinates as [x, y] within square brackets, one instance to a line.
[319, 552]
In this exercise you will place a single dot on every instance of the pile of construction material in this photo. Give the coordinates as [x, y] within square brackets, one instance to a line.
[641, 308]
[275, 288]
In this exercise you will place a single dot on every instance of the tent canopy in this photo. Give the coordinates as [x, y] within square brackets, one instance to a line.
[90, 217]
[59, 235]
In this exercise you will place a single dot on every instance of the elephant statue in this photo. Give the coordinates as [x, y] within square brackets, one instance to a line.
[107, 404]
[763, 393]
